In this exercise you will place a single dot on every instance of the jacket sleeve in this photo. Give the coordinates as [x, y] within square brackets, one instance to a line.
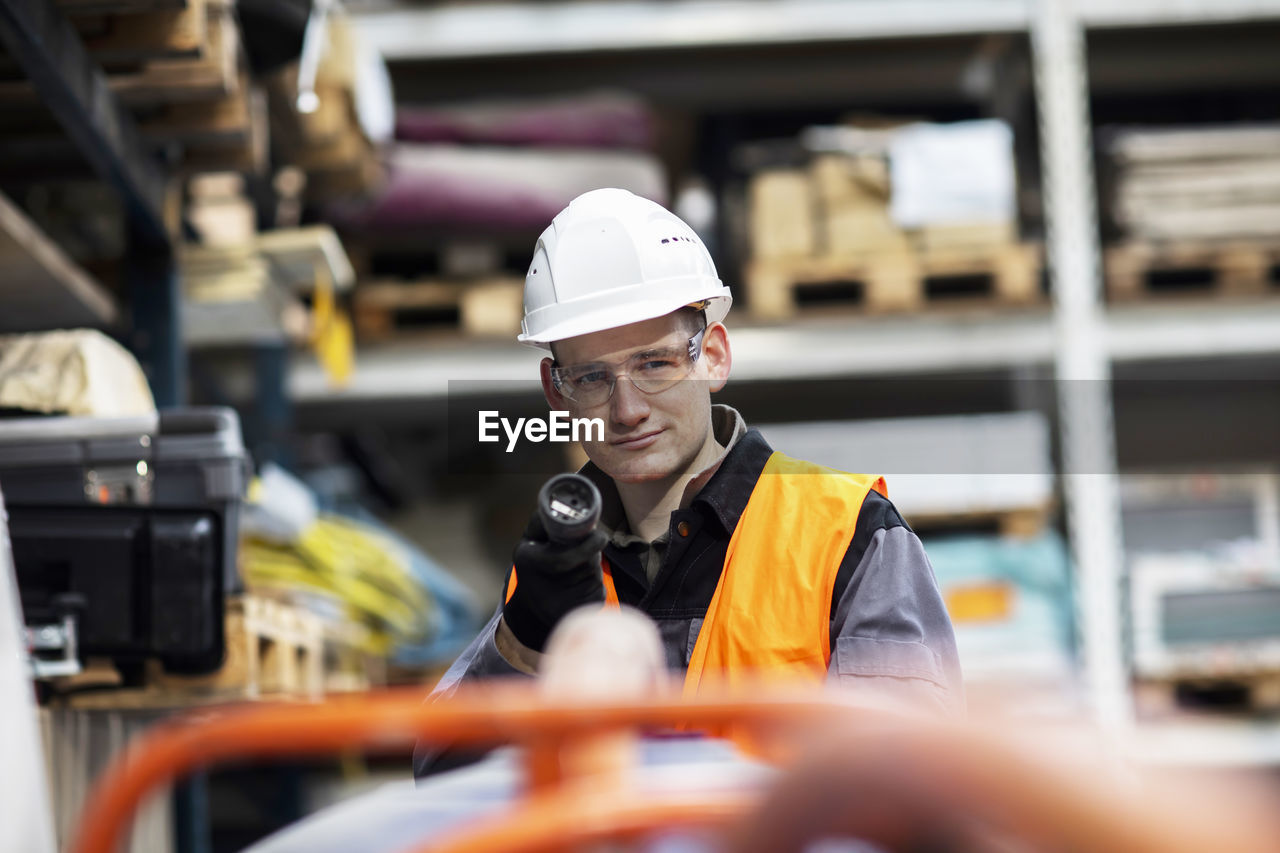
[480, 660]
[890, 632]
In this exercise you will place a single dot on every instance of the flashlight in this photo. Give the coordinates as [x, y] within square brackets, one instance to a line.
[569, 505]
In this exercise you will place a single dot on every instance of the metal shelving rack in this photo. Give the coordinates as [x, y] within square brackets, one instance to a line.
[72, 85]
[1080, 337]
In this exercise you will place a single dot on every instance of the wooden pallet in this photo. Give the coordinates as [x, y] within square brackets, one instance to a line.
[401, 256]
[898, 281]
[1018, 523]
[1153, 270]
[484, 307]
[274, 650]
[348, 665]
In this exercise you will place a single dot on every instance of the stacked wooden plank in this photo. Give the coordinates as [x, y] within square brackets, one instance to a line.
[176, 65]
[324, 137]
[1199, 209]
[827, 230]
[206, 103]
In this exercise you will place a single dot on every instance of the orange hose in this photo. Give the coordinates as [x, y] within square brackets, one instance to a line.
[875, 775]
[397, 719]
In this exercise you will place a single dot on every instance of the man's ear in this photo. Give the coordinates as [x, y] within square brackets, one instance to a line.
[717, 354]
[555, 399]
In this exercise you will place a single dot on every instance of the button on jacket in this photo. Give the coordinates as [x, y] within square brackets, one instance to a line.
[889, 630]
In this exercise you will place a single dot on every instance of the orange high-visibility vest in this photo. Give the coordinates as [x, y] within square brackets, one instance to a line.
[771, 612]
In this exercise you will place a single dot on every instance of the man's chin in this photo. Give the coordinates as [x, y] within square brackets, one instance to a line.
[640, 476]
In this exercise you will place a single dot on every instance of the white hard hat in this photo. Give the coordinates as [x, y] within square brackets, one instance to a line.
[611, 258]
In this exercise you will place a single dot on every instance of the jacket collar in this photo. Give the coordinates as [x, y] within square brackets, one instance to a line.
[729, 489]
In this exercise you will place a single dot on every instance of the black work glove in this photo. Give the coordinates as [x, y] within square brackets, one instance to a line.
[551, 580]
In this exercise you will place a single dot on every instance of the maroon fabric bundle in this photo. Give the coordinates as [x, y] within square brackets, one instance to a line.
[477, 189]
[598, 121]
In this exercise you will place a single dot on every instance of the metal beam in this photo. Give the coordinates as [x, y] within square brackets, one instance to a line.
[408, 32]
[1083, 369]
[75, 90]
[41, 287]
[749, 79]
[1150, 13]
[403, 30]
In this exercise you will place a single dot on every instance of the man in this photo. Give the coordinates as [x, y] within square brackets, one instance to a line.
[746, 559]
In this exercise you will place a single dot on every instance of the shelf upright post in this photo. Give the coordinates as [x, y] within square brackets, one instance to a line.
[1082, 363]
[274, 414]
[155, 291]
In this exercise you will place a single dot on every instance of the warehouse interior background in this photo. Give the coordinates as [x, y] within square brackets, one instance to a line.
[1020, 256]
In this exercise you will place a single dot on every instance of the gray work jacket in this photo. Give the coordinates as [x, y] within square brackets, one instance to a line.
[889, 629]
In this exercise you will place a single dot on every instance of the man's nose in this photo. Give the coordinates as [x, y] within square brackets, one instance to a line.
[629, 405]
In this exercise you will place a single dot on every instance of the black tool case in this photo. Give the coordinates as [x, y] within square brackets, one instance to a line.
[132, 523]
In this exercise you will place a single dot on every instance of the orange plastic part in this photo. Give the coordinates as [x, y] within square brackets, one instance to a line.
[898, 781]
[397, 719]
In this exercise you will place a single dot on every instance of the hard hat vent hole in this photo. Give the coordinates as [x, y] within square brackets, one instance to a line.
[665, 240]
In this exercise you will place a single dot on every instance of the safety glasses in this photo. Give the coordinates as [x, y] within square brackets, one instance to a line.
[651, 371]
